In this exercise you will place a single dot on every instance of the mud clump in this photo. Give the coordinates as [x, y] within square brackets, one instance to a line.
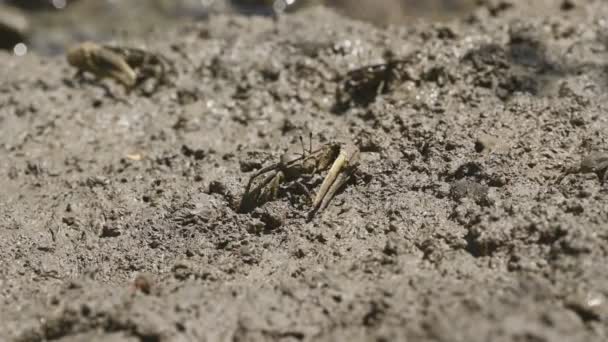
[119, 210]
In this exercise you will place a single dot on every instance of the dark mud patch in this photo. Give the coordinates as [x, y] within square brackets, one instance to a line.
[457, 228]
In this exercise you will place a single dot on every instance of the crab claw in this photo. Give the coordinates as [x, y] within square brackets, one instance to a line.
[339, 173]
[102, 63]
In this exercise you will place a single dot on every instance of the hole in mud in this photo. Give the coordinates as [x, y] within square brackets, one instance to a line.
[478, 248]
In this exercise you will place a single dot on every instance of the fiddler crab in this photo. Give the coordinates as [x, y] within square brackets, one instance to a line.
[361, 86]
[341, 161]
[128, 66]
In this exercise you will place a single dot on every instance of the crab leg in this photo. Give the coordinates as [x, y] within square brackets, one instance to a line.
[259, 173]
[339, 173]
[250, 196]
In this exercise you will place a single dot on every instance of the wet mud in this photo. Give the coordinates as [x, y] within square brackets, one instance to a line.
[479, 210]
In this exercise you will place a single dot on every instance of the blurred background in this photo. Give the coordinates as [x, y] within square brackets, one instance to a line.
[48, 26]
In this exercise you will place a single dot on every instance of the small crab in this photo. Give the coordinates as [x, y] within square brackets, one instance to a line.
[361, 86]
[594, 162]
[128, 66]
[341, 162]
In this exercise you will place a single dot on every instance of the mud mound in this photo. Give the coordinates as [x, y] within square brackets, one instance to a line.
[462, 223]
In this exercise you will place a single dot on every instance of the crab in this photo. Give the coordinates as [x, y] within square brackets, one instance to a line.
[361, 86]
[341, 163]
[128, 66]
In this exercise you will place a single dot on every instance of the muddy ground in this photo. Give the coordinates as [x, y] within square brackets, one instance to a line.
[457, 227]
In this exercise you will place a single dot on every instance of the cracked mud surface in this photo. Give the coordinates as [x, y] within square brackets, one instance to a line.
[458, 226]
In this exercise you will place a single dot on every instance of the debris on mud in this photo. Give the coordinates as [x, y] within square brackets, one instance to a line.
[595, 162]
[469, 189]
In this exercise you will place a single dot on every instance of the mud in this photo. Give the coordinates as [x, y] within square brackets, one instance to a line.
[117, 220]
